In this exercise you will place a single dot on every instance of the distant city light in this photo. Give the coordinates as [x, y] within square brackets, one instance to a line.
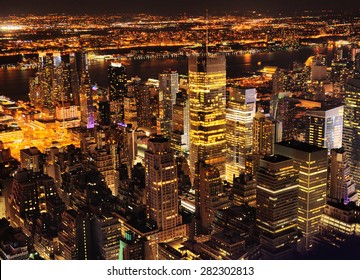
[10, 27]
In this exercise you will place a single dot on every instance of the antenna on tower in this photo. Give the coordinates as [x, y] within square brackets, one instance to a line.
[207, 33]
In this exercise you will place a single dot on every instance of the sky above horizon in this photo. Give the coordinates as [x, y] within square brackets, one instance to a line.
[168, 7]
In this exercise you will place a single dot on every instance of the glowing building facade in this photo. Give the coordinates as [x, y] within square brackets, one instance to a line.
[240, 112]
[207, 98]
[209, 196]
[86, 98]
[180, 135]
[117, 90]
[161, 184]
[263, 134]
[168, 88]
[342, 185]
[325, 127]
[311, 163]
[277, 206]
[351, 133]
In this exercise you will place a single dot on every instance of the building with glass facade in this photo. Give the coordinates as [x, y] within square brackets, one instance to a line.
[207, 102]
[311, 164]
[351, 132]
[277, 207]
[325, 127]
[240, 112]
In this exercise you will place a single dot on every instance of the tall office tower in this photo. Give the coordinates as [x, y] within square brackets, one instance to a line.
[35, 94]
[86, 98]
[154, 103]
[342, 185]
[104, 162]
[277, 205]
[207, 97]
[240, 112]
[244, 190]
[283, 111]
[130, 110]
[180, 140]
[143, 107]
[68, 95]
[161, 184]
[357, 64]
[263, 134]
[74, 79]
[117, 90]
[75, 236]
[278, 81]
[107, 228]
[45, 79]
[168, 88]
[67, 236]
[57, 85]
[325, 127]
[318, 69]
[311, 163]
[209, 196]
[351, 133]
[104, 113]
[29, 193]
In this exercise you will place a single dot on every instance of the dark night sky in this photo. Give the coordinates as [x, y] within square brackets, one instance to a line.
[174, 7]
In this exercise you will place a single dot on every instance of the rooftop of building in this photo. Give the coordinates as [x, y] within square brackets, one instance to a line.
[158, 139]
[351, 206]
[230, 237]
[300, 146]
[354, 83]
[275, 158]
[10, 235]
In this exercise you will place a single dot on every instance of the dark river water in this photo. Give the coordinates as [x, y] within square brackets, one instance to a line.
[15, 83]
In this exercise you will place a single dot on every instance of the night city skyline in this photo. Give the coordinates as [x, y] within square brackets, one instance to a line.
[161, 7]
[159, 131]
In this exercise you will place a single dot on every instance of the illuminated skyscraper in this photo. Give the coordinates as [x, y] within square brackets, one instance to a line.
[263, 134]
[130, 111]
[161, 184]
[325, 127]
[209, 196]
[104, 113]
[277, 206]
[311, 163]
[107, 236]
[117, 90]
[161, 187]
[180, 135]
[351, 133]
[240, 112]
[168, 88]
[86, 99]
[283, 111]
[45, 79]
[74, 79]
[342, 185]
[207, 96]
[75, 236]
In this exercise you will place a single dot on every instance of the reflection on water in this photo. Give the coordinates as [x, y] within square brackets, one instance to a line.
[15, 82]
